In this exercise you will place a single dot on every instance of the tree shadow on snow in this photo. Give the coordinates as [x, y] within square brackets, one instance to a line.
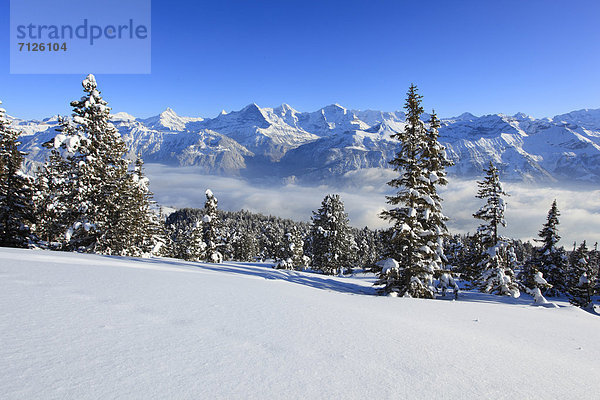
[265, 271]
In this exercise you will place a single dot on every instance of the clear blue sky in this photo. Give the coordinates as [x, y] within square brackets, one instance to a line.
[539, 57]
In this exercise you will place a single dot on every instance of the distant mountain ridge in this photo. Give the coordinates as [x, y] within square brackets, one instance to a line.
[323, 146]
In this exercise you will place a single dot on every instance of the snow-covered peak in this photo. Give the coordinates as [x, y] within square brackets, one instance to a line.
[285, 109]
[466, 116]
[123, 116]
[334, 109]
[51, 120]
[168, 120]
[586, 118]
[522, 116]
[251, 116]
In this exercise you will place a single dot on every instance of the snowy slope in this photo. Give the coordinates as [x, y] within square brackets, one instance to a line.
[325, 145]
[86, 326]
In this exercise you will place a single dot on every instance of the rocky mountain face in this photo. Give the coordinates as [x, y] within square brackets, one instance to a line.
[284, 144]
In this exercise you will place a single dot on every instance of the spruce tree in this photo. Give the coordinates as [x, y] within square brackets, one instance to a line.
[184, 239]
[534, 282]
[51, 201]
[16, 193]
[211, 229]
[550, 259]
[331, 237]
[418, 223]
[245, 246]
[582, 277]
[495, 272]
[433, 221]
[291, 253]
[98, 172]
[367, 252]
[136, 230]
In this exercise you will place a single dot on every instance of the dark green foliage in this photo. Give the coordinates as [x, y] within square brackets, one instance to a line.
[52, 205]
[16, 194]
[291, 251]
[367, 248]
[332, 242]
[100, 204]
[550, 259]
[492, 213]
[211, 229]
[245, 246]
[495, 268]
[582, 277]
[419, 226]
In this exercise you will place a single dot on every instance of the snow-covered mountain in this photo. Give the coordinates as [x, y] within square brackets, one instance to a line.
[323, 146]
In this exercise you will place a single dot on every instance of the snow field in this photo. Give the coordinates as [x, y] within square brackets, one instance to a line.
[88, 326]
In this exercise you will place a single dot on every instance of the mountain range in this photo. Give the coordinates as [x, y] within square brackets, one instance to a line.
[286, 145]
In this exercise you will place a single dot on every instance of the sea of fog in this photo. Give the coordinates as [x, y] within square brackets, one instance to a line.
[363, 193]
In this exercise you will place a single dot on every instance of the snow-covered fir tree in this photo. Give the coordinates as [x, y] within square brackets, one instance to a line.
[495, 272]
[367, 247]
[433, 221]
[551, 260]
[291, 252]
[270, 238]
[534, 282]
[98, 172]
[245, 246]
[141, 232]
[51, 201]
[184, 238]
[582, 277]
[332, 240]
[492, 212]
[211, 229]
[16, 193]
[418, 223]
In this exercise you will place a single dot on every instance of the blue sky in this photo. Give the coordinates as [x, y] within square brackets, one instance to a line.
[538, 57]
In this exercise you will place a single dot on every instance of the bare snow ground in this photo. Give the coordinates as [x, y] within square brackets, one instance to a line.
[86, 326]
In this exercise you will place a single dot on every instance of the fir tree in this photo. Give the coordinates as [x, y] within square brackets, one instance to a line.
[418, 224]
[270, 238]
[51, 201]
[16, 194]
[496, 274]
[534, 281]
[582, 277]
[551, 260]
[136, 230]
[98, 172]
[211, 226]
[291, 253]
[184, 237]
[331, 237]
[367, 252]
[492, 213]
[433, 221]
[245, 246]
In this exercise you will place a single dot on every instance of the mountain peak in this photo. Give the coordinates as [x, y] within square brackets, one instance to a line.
[120, 116]
[521, 115]
[251, 107]
[466, 116]
[335, 107]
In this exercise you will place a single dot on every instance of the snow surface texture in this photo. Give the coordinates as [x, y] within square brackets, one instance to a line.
[87, 326]
[328, 144]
